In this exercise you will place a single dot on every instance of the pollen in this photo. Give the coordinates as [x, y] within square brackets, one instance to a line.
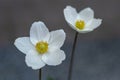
[80, 24]
[42, 47]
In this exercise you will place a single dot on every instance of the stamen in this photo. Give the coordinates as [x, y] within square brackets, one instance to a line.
[80, 24]
[42, 47]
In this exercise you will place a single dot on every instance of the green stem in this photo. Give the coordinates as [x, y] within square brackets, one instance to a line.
[40, 73]
[72, 57]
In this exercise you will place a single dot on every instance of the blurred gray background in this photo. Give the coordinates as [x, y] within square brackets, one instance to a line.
[97, 55]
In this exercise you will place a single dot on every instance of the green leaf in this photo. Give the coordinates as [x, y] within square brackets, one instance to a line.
[50, 78]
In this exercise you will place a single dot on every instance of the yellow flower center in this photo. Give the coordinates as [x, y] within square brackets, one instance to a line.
[42, 47]
[80, 24]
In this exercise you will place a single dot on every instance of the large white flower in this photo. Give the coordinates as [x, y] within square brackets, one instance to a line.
[83, 21]
[42, 47]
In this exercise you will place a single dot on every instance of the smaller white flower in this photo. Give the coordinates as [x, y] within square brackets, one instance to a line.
[42, 47]
[83, 21]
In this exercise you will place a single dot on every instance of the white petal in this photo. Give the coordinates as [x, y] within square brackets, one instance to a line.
[95, 23]
[54, 58]
[33, 59]
[39, 32]
[86, 14]
[57, 38]
[24, 44]
[84, 31]
[70, 15]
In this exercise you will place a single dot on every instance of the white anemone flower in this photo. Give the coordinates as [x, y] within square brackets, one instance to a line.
[83, 21]
[42, 47]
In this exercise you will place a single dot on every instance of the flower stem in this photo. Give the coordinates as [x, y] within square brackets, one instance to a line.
[40, 73]
[72, 57]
